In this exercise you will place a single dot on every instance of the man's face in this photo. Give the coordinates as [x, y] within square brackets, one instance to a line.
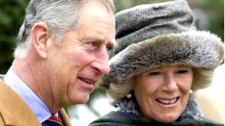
[77, 65]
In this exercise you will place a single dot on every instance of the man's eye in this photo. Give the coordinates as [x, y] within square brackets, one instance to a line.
[109, 48]
[95, 44]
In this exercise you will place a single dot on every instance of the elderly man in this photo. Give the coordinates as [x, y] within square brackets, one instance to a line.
[62, 52]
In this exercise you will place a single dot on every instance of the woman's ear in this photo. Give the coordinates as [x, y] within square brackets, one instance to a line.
[40, 35]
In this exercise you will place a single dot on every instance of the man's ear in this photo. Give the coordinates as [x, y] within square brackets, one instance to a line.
[40, 36]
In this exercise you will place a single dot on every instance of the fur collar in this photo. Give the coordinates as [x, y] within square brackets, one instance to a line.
[192, 110]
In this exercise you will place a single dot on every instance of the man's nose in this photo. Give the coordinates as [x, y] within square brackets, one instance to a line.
[102, 61]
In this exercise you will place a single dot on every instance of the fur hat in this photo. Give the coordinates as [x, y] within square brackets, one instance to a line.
[154, 35]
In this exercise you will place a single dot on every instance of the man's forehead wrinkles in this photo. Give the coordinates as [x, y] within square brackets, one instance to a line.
[96, 31]
[103, 24]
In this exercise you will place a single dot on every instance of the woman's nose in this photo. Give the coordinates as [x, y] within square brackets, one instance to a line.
[170, 83]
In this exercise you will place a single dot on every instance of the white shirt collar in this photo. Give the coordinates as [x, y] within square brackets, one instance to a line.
[37, 106]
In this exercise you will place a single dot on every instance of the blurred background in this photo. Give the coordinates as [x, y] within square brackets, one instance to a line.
[208, 15]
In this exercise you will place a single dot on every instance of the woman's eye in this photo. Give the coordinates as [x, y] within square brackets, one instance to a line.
[182, 71]
[154, 73]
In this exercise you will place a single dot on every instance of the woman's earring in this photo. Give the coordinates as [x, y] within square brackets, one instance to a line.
[190, 92]
[129, 96]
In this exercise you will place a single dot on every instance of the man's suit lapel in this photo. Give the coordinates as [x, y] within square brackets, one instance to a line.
[64, 117]
[13, 109]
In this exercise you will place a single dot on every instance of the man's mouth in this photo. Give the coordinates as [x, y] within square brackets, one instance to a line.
[87, 81]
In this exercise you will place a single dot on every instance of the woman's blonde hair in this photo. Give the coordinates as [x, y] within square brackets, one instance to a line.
[202, 78]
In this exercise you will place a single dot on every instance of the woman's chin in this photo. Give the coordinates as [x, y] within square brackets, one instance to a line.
[167, 119]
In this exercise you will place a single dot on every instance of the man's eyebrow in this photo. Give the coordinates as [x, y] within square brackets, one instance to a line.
[93, 37]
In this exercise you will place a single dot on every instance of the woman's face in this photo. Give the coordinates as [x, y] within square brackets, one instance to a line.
[162, 93]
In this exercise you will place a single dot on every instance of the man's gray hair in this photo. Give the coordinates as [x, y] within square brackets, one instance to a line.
[61, 16]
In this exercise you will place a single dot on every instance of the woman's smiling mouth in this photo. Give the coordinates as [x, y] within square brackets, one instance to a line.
[167, 101]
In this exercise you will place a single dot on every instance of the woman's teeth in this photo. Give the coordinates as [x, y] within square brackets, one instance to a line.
[164, 101]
